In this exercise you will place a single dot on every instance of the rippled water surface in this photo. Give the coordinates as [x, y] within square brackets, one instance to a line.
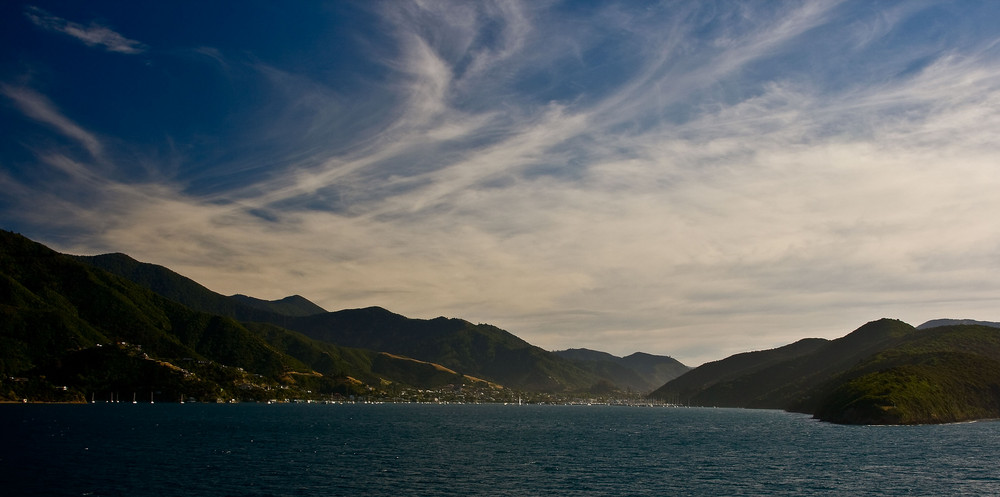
[436, 450]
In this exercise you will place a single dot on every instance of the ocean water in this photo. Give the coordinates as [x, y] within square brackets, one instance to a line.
[444, 450]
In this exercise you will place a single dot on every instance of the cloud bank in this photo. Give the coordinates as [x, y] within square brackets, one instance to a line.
[687, 179]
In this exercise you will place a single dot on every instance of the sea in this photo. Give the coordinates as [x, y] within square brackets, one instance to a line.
[462, 450]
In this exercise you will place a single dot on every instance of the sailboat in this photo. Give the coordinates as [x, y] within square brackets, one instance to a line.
[133, 397]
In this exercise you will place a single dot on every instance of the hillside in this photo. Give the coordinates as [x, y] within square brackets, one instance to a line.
[638, 372]
[479, 350]
[940, 374]
[717, 383]
[781, 377]
[64, 321]
[885, 372]
[69, 331]
[190, 293]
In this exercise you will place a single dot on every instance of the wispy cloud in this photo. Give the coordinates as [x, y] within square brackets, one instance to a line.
[38, 107]
[93, 35]
[690, 180]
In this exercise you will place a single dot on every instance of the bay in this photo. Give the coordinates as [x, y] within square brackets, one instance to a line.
[444, 450]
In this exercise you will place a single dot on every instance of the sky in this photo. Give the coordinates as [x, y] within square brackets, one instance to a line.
[685, 178]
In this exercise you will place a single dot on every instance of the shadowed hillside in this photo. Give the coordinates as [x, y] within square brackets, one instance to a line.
[192, 294]
[779, 377]
[639, 372]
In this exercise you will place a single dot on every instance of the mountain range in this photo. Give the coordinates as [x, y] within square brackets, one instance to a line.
[76, 328]
[78, 325]
[480, 350]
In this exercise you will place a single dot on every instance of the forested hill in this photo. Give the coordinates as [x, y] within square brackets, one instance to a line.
[69, 330]
[478, 350]
[73, 327]
[885, 372]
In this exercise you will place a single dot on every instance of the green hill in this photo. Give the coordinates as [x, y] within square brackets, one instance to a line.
[936, 375]
[479, 350]
[346, 344]
[56, 312]
[70, 331]
[886, 372]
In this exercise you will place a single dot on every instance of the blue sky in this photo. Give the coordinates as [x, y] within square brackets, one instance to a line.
[689, 178]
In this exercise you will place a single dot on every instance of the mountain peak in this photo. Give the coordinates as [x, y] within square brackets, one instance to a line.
[294, 305]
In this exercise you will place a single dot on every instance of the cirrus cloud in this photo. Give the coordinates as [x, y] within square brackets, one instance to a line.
[693, 179]
[93, 35]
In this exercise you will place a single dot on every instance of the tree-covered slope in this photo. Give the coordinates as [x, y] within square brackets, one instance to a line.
[885, 372]
[936, 375]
